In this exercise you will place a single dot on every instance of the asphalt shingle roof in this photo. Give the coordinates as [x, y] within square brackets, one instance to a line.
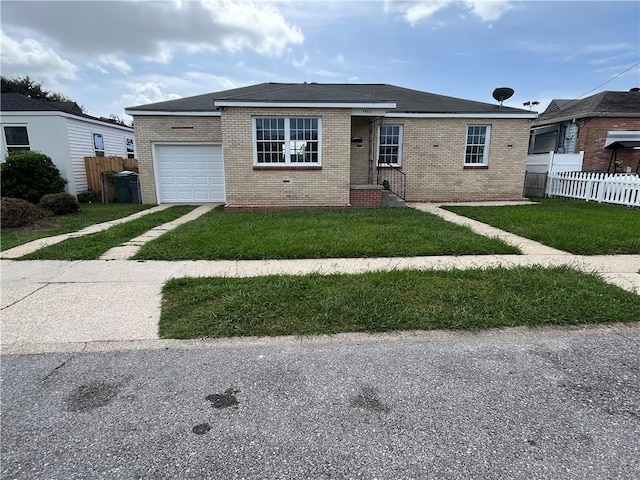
[607, 103]
[16, 102]
[407, 100]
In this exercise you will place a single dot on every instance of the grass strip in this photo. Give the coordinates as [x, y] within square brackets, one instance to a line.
[90, 214]
[583, 228]
[90, 247]
[338, 233]
[387, 301]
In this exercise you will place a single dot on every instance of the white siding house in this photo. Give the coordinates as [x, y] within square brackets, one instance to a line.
[62, 133]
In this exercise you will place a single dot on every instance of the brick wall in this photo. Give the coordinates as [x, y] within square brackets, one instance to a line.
[149, 129]
[434, 153]
[366, 197]
[591, 139]
[247, 187]
[434, 173]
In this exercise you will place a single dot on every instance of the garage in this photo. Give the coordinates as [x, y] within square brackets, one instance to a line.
[188, 173]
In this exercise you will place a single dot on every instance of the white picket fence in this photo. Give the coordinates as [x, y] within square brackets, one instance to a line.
[622, 189]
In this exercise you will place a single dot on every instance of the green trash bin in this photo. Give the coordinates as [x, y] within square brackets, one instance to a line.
[126, 187]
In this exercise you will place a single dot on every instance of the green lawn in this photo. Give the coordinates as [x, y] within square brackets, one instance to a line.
[388, 301]
[335, 233]
[90, 247]
[583, 228]
[90, 214]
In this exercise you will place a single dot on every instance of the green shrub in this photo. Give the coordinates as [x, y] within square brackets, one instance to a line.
[88, 197]
[15, 212]
[30, 175]
[60, 203]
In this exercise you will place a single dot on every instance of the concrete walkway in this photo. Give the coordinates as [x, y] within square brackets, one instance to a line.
[130, 248]
[526, 246]
[31, 247]
[57, 305]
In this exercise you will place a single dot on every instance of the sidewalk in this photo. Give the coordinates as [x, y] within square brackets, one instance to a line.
[48, 305]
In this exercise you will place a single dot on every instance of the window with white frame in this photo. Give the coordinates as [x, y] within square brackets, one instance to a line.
[282, 141]
[98, 144]
[17, 138]
[390, 145]
[130, 148]
[477, 150]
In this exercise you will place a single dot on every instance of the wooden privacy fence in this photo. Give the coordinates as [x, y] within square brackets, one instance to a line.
[622, 189]
[94, 166]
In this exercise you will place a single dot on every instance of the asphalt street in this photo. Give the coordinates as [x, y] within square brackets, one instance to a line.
[524, 404]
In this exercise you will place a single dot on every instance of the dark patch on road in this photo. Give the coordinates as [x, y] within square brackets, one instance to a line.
[90, 396]
[201, 429]
[224, 400]
[369, 399]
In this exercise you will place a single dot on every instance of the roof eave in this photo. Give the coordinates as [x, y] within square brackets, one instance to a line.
[304, 104]
[172, 113]
[58, 113]
[568, 118]
[515, 115]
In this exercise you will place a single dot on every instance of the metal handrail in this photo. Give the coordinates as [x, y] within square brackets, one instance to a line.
[393, 179]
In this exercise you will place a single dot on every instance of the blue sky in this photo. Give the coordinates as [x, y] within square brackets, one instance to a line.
[111, 55]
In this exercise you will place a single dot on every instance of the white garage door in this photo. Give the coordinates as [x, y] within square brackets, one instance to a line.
[189, 173]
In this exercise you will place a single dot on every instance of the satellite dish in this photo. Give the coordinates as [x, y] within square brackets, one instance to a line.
[503, 93]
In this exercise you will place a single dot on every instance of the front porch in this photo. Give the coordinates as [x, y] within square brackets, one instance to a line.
[373, 184]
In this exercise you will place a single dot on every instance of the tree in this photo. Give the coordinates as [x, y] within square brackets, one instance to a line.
[59, 97]
[24, 86]
[30, 88]
[117, 120]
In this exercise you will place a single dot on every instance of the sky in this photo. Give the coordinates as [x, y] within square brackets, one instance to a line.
[111, 55]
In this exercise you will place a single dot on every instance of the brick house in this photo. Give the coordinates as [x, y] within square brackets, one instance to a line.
[332, 145]
[606, 126]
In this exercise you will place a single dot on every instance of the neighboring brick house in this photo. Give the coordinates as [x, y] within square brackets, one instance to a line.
[63, 132]
[606, 126]
[310, 145]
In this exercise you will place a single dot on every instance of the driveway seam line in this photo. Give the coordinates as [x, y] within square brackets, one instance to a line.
[26, 296]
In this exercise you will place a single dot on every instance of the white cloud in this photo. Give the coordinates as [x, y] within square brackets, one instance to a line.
[607, 47]
[258, 27]
[326, 73]
[414, 12]
[418, 11]
[115, 62]
[338, 60]
[155, 29]
[162, 54]
[30, 57]
[488, 11]
[211, 83]
[576, 49]
[300, 63]
[158, 88]
[143, 93]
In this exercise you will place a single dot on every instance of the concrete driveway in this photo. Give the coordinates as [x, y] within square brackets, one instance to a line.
[513, 404]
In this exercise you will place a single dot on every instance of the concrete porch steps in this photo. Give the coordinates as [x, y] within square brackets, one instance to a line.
[390, 199]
